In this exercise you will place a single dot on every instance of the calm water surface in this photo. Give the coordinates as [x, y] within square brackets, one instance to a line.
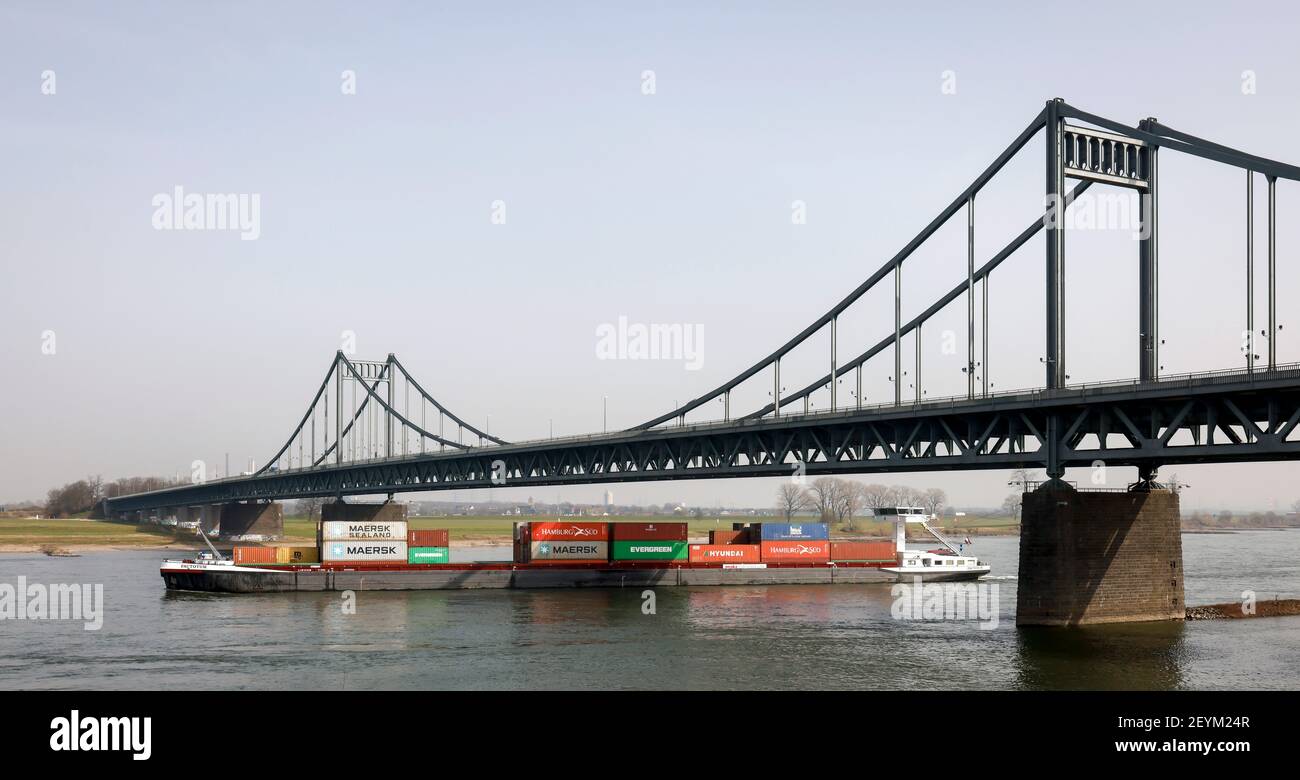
[760, 637]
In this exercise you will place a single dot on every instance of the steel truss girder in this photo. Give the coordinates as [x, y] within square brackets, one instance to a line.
[1248, 419]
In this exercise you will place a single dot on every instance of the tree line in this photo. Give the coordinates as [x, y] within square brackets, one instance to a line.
[837, 500]
[85, 494]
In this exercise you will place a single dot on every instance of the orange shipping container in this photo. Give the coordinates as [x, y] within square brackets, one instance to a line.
[796, 551]
[432, 537]
[862, 551]
[725, 553]
[254, 555]
[726, 537]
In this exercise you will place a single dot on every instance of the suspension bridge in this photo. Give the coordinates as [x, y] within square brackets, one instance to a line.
[372, 428]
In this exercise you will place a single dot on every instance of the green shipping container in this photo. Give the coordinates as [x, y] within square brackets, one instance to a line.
[650, 551]
[427, 555]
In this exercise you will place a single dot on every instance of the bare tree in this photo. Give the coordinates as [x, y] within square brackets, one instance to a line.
[875, 496]
[1023, 477]
[311, 507]
[934, 500]
[72, 498]
[823, 496]
[850, 498]
[1012, 506]
[791, 499]
[897, 495]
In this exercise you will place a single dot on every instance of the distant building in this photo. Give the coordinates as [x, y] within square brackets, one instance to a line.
[609, 499]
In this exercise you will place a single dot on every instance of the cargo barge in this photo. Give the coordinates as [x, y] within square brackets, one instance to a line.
[379, 554]
[227, 577]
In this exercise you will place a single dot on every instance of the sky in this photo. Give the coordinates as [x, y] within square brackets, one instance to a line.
[480, 190]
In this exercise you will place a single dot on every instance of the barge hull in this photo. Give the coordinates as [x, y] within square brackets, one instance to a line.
[232, 580]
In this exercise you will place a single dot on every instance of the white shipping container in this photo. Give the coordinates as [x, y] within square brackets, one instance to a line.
[570, 551]
[363, 550]
[335, 530]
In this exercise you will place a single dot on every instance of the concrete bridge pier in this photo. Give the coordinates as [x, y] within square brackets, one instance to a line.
[246, 521]
[1099, 557]
[389, 510]
[209, 521]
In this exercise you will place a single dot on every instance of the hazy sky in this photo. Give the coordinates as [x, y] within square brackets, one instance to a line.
[376, 209]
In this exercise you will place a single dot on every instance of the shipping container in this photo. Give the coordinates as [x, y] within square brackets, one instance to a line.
[568, 532]
[649, 551]
[648, 532]
[789, 532]
[428, 555]
[725, 553]
[297, 554]
[340, 530]
[432, 537]
[796, 551]
[245, 555]
[363, 550]
[727, 537]
[567, 550]
[862, 551]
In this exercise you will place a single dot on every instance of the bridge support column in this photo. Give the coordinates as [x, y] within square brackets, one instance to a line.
[239, 521]
[1055, 233]
[1149, 269]
[1099, 557]
[355, 513]
[207, 520]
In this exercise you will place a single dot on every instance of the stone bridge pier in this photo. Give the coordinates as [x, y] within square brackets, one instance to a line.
[1099, 557]
[251, 521]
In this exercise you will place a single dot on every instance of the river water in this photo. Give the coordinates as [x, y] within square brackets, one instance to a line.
[712, 638]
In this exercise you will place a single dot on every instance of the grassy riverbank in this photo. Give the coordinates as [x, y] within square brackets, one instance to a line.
[27, 535]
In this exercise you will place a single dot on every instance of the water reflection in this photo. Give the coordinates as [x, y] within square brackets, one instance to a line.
[1132, 656]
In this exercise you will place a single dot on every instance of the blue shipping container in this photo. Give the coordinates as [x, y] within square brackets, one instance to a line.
[789, 532]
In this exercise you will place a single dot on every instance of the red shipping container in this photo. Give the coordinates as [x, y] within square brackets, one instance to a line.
[796, 552]
[254, 555]
[433, 537]
[568, 532]
[725, 553]
[862, 551]
[726, 537]
[648, 532]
